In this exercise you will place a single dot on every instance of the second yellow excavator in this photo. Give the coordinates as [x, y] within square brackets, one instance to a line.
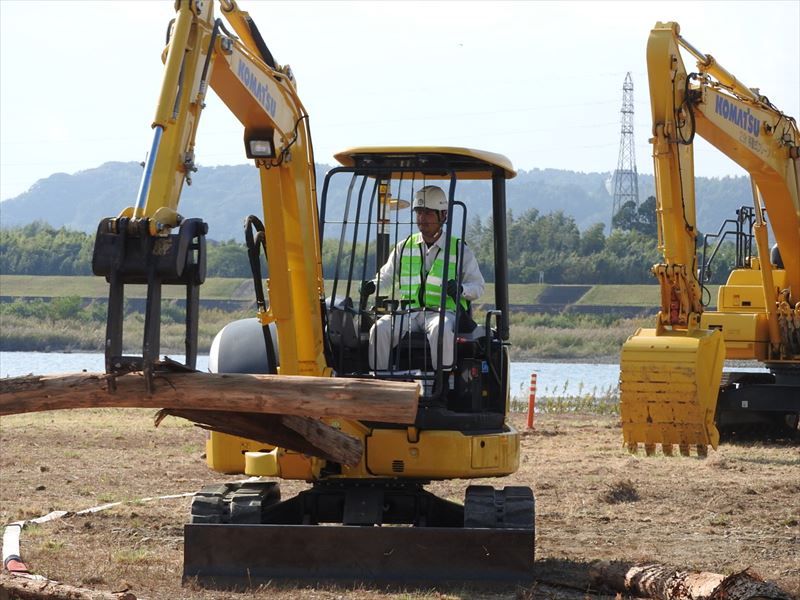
[671, 381]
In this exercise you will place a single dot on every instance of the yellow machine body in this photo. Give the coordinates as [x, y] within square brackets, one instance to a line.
[451, 439]
[388, 453]
[396, 453]
[670, 375]
[741, 314]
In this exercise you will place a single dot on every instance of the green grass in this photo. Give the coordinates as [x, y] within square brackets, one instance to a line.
[519, 293]
[53, 286]
[633, 295]
[224, 288]
[63, 324]
[622, 295]
[588, 401]
[570, 336]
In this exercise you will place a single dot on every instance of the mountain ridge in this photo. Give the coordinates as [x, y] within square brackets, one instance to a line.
[224, 195]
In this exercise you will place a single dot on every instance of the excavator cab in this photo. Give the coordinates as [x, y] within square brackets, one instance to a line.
[751, 404]
[367, 220]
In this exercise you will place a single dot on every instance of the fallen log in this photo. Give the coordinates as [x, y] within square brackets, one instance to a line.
[662, 582]
[26, 587]
[301, 434]
[360, 399]
[321, 435]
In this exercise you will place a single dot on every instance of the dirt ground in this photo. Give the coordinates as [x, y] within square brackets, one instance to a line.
[738, 508]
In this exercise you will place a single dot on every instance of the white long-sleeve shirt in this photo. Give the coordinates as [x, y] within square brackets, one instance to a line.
[472, 280]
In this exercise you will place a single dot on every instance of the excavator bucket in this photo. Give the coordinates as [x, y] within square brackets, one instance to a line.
[668, 390]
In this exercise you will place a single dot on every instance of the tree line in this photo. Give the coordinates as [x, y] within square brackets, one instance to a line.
[551, 249]
[40, 249]
[547, 248]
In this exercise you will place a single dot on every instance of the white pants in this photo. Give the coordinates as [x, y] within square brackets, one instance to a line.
[383, 337]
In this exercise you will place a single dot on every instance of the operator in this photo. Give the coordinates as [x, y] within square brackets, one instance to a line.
[417, 266]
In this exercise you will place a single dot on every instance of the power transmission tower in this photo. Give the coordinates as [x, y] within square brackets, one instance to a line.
[625, 180]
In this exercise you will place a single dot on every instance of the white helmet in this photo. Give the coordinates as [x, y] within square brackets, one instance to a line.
[431, 197]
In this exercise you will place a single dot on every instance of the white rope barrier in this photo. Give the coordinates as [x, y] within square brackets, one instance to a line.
[12, 556]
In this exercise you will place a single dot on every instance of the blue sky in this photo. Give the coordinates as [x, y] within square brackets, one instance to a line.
[540, 82]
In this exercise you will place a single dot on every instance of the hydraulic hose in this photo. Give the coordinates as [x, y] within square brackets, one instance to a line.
[255, 242]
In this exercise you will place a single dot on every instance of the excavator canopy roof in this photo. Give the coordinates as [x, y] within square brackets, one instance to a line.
[434, 162]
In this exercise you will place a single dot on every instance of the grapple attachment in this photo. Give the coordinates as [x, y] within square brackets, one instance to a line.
[668, 390]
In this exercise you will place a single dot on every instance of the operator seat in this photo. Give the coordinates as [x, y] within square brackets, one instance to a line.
[413, 351]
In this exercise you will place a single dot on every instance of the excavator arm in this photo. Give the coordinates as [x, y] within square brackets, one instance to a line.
[670, 375]
[749, 130]
[131, 247]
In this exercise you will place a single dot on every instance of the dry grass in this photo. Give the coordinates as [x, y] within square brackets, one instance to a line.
[533, 337]
[43, 334]
[577, 337]
[691, 513]
[619, 491]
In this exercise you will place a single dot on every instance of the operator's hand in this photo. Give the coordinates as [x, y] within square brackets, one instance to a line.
[454, 289]
[367, 288]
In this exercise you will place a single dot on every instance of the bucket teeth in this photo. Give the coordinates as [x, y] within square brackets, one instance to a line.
[668, 449]
[702, 450]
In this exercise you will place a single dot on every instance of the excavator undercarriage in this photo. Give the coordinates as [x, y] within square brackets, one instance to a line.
[384, 531]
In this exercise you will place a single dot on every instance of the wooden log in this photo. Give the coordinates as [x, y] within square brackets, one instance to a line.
[360, 399]
[330, 440]
[563, 573]
[26, 587]
[301, 434]
[662, 582]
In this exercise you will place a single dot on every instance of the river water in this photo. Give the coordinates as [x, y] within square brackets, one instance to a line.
[553, 379]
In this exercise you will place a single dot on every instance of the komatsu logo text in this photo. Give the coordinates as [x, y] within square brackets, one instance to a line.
[258, 89]
[737, 116]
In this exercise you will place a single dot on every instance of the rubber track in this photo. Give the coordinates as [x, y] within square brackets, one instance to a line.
[239, 502]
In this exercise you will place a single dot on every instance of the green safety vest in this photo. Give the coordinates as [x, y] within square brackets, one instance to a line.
[412, 264]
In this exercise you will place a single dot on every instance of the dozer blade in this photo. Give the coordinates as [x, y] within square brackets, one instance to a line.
[668, 390]
[227, 556]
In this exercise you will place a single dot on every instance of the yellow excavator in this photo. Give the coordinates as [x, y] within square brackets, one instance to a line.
[672, 387]
[373, 520]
